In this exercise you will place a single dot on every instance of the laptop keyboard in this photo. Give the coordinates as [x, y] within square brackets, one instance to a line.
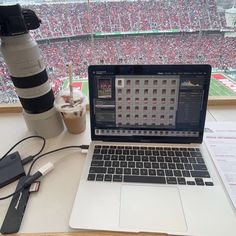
[156, 165]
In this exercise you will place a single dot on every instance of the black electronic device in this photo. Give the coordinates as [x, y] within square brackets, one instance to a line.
[15, 212]
[15, 20]
[148, 103]
[10, 169]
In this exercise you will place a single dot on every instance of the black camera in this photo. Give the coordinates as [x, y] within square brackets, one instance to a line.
[15, 20]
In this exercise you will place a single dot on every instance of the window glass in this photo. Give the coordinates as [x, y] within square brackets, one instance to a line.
[87, 32]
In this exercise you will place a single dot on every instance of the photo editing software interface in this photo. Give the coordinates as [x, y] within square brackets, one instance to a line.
[148, 105]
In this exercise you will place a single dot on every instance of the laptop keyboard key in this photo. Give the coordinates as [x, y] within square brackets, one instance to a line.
[160, 172]
[171, 180]
[97, 163]
[107, 157]
[137, 158]
[176, 159]
[200, 174]
[155, 165]
[171, 166]
[184, 159]
[188, 167]
[186, 173]
[119, 171]
[97, 170]
[144, 179]
[127, 171]
[121, 158]
[117, 178]
[186, 154]
[135, 171]
[97, 157]
[139, 164]
[178, 154]
[196, 154]
[200, 160]
[169, 172]
[160, 159]
[199, 167]
[152, 159]
[129, 158]
[144, 158]
[181, 181]
[192, 160]
[180, 166]
[91, 177]
[123, 164]
[97, 150]
[114, 157]
[107, 163]
[104, 151]
[209, 184]
[163, 165]
[143, 172]
[152, 172]
[108, 178]
[199, 181]
[177, 173]
[115, 164]
[168, 159]
[131, 164]
[99, 177]
[111, 170]
[147, 165]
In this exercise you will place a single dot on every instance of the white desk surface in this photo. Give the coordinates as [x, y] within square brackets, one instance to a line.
[49, 209]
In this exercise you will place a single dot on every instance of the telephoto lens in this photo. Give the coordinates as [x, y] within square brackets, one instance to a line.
[27, 70]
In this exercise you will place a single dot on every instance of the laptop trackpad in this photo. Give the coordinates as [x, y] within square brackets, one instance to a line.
[151, 208]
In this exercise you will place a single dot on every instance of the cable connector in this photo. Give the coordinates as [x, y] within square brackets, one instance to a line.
[84, 149]
[41, 172]
[46, 168]
[27, 160]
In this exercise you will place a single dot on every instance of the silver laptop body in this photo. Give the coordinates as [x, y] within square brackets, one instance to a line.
[147, 169]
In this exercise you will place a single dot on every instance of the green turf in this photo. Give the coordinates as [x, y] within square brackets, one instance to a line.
[218, 89]
[84, 87]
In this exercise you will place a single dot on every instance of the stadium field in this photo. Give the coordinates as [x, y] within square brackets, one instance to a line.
[220, 86]
[82, 84]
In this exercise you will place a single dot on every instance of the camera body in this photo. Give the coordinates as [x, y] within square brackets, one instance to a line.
[27, 70]
[15, 20]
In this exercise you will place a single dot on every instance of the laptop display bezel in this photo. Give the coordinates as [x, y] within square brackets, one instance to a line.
[148, 70]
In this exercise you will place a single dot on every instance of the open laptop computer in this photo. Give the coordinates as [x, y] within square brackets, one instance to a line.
[146, 170]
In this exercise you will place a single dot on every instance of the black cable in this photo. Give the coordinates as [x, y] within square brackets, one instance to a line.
[12, 194]
[29, 137]
[38, 157]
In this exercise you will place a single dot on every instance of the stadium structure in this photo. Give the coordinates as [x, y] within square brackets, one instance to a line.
[132, 32]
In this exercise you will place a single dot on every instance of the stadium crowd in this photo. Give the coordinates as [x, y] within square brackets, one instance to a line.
[68, 19]
[60, 20]
[215, 50]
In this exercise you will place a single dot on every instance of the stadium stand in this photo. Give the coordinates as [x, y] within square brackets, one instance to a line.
[67, 19]
[157, 49]
[65, 35]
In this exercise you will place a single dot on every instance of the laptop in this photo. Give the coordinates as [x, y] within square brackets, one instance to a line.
[147, 169]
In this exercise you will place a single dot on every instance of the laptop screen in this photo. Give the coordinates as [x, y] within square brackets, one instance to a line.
[148, 103]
